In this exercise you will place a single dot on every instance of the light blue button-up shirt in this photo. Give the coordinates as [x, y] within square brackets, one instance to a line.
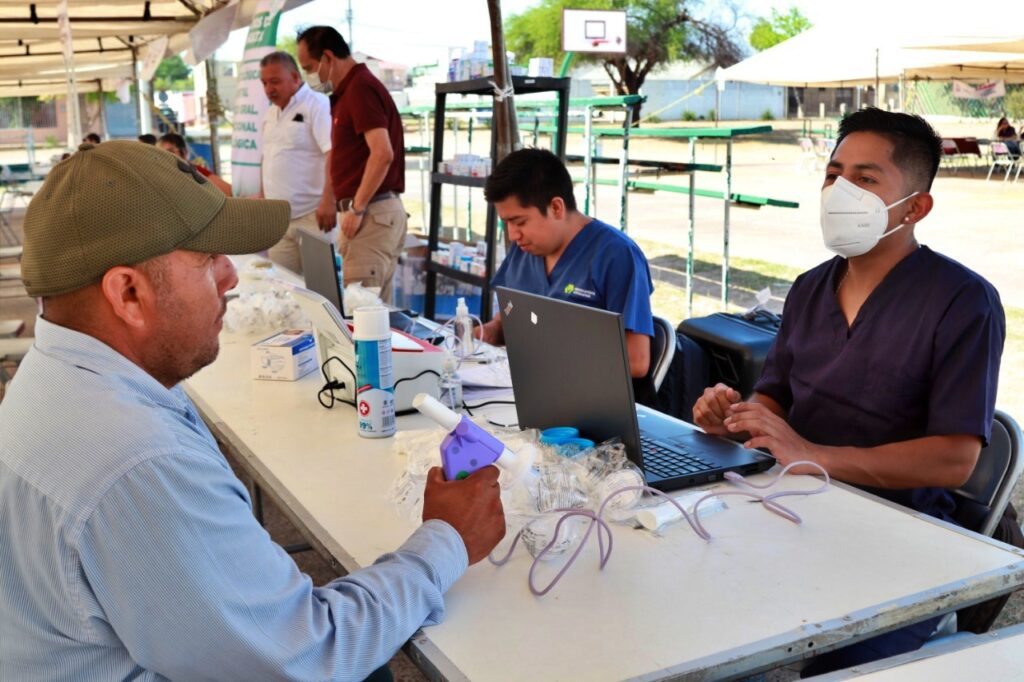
[128, 548]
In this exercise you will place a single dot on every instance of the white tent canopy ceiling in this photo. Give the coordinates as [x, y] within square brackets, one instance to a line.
[108, 36]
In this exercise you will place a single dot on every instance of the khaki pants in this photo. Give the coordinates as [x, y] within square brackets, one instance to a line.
[371, 256]
[286, 252]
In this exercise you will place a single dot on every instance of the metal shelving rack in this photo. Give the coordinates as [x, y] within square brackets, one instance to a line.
[478, 86]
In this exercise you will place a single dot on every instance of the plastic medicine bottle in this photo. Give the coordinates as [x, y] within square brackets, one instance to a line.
[464, 329]
[450, 383]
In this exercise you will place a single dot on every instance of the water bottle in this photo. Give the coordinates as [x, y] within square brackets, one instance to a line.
[375, 384]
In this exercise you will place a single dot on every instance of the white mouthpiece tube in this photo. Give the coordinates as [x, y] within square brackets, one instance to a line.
[517, 464]
[656, 517]
[433, 408]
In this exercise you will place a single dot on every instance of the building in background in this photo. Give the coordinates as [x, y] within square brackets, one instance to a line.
[686, 91]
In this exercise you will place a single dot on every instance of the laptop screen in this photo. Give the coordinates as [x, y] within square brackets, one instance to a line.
[318, 268]
[569, 367]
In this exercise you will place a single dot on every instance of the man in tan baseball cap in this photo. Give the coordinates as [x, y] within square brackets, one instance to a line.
[125, 242]
[129, 549]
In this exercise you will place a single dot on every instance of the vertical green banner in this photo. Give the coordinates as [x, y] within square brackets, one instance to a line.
[250, 101]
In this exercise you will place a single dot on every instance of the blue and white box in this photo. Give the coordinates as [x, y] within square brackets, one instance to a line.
[286, 356]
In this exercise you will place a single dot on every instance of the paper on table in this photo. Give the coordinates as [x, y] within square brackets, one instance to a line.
[493, 375]
[478, 394]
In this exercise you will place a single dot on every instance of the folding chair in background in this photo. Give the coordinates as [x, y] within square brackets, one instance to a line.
[1001, 156]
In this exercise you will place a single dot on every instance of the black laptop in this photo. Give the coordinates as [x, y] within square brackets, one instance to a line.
[569, 367]
[321, 275]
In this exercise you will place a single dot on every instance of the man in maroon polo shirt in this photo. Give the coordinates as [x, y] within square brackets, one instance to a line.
[366, 165]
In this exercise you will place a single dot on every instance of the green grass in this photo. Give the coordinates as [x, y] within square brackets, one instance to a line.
[1011, 373]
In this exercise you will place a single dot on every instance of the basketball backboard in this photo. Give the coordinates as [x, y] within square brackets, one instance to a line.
[589, 30]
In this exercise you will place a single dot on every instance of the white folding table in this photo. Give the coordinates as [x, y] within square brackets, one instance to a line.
[762, 593]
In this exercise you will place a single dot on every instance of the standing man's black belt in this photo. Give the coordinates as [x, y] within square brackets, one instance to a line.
[346, 204]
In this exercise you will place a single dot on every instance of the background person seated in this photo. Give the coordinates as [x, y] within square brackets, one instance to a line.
[560, 253]
[92, 138]
[1008, 134]
[175, 144]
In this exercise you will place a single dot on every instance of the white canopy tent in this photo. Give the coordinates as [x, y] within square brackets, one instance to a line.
[879, 41]
[978, 31]
[109, 38]
[828, 57]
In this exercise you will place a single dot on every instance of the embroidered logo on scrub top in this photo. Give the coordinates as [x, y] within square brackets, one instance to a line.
[573, 290]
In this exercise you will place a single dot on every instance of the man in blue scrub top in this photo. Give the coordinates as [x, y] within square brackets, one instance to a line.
[885, 369]
[560, 253]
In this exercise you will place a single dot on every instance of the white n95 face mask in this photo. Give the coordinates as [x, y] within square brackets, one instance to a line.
[853, 219]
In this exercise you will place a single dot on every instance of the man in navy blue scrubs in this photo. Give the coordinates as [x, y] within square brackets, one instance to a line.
[560, 253]
[885, 369]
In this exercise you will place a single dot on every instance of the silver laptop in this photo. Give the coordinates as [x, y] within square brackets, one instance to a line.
[319, 269]
[321, 275]
[570, 367]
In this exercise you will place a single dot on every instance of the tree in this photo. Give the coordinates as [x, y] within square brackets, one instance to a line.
[173, 74]
[1013, 103]
[658, 32]
[289, 44]
[769, 32]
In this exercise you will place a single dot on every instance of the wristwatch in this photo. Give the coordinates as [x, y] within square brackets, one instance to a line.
[358, 214]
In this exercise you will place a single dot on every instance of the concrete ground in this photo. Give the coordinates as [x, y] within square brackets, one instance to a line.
[974, 221]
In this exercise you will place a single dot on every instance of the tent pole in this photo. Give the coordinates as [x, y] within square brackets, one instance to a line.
[877, 84]
[138, 94]
[213, 112]
[506, 125]
[104, 128]
[145, 118]
[73, 109]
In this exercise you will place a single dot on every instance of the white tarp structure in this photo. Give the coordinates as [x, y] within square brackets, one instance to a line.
[827, 57]
[108, 36]
[865, 45]
[976, 30]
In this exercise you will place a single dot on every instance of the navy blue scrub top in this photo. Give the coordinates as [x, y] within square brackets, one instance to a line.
[601, 268]
[921, 359]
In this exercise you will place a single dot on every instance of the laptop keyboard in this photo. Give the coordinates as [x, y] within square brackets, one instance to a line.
[671, 462]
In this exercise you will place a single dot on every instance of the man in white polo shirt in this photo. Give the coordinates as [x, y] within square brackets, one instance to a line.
[296, 141]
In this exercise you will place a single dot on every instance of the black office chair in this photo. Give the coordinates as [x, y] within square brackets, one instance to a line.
[998, 468]
[983, 499]
[663, 349]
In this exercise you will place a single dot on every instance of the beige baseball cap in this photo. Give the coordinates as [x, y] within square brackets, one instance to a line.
[123, 202]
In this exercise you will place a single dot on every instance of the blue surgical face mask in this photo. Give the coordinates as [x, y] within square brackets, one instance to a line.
[853, 219]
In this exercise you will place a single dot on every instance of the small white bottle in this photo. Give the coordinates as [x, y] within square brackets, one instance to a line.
[450, 383]
[464, 329]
